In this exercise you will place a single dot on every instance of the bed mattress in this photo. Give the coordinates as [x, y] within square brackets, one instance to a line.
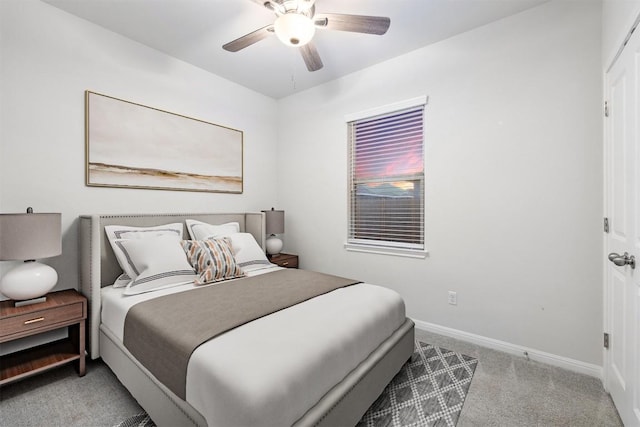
[260, 373]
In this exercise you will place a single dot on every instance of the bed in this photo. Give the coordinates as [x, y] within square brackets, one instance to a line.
[310, 372]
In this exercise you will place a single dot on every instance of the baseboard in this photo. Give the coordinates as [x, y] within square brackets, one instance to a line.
[533, 354]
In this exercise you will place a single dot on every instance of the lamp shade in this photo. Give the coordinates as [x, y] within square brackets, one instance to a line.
[30, 236]
[275, 221]
[294, 29]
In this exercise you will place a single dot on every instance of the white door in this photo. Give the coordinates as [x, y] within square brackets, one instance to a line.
[622, 205]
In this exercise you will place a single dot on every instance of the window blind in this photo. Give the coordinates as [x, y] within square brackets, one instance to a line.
[386, 180]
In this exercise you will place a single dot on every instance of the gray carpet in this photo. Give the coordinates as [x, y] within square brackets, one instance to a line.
[429, 390]
[506, 390]
[511, 391]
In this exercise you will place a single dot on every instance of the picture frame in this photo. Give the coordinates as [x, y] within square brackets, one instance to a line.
[130, 145]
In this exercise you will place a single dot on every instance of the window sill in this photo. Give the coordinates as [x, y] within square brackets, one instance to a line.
[381, 250]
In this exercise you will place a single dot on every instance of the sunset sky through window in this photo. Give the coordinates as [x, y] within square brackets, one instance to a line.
[389, 152]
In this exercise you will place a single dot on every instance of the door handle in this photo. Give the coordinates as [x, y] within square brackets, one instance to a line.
[622, 260]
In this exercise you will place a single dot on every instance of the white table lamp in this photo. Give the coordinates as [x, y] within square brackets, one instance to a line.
[274, 225]
[27, 237]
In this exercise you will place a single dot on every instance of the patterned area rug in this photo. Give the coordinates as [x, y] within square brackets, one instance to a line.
[429, 391]
[140, 420]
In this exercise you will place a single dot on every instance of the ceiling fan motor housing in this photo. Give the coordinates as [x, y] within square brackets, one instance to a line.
[286, 6]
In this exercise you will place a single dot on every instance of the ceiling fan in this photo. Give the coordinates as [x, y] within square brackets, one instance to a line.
[296, 24]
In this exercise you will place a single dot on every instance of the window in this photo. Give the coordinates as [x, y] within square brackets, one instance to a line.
[386, 180]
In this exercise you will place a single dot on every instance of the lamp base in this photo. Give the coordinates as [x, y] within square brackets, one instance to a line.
[274, 245]
[28, 280]
[29, 301]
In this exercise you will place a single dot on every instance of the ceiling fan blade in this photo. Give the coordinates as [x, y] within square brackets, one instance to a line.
[311, 57]
[249, 39]
[354, 23]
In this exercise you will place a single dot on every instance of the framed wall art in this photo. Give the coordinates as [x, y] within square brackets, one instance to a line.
[134, 146]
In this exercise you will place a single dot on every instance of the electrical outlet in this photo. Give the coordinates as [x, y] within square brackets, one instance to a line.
[453, 298]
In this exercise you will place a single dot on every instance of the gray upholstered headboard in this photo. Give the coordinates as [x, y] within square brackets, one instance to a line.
[98, 264]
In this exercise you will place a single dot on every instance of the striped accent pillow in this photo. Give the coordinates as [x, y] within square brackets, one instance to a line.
[212, 259]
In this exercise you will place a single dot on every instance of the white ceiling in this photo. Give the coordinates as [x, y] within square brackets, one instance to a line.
[195, 30]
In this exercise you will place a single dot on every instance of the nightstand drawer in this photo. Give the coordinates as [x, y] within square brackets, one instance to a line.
[40, 319]
[289, 262]
[285, 260]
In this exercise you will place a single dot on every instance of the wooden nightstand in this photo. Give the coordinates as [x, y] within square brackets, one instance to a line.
[285, 260]
[62, 309]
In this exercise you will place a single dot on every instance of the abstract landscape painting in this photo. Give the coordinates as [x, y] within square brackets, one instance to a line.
[134, 146]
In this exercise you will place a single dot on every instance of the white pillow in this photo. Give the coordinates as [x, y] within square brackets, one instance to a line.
[248, 254]
[123, 232]
[122, 281]
[199, 230]
[159, 262]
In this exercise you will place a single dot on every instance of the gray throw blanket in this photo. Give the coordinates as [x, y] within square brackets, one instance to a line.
[163, 332]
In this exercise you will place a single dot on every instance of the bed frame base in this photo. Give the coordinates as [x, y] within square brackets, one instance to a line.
[343, 405]
[346, 403]
[162, 405]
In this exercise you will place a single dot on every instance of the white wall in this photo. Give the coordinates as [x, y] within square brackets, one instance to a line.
[513, 179]
[49, 58]
[617, 18]
[514, 176]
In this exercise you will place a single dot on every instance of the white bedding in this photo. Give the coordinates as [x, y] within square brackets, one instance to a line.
[270, 371]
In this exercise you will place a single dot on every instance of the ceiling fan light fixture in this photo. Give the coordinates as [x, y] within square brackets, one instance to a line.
[294, 29]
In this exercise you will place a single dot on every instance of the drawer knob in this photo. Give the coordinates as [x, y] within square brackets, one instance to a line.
[285, 263]
[36, 320]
